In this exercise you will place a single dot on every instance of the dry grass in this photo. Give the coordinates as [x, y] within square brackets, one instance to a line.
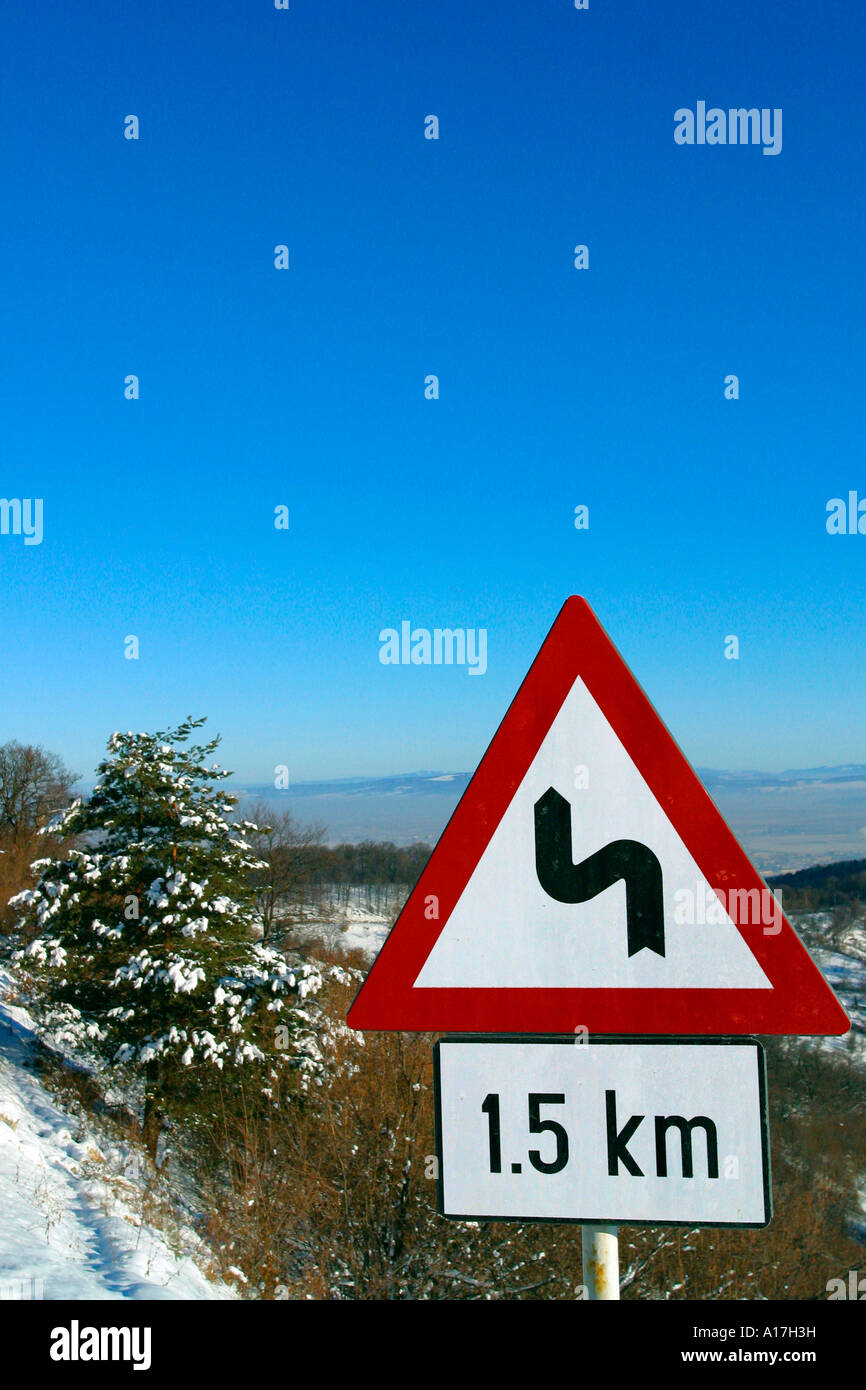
[15, 860]
[333, 1197]
[332, 1194]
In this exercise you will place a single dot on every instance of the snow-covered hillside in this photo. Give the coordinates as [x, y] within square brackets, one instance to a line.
[77, 1221]
[843, 965]
[345, 917]
[71, 1200]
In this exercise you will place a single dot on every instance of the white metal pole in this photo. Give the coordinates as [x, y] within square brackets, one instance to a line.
[600, 1261]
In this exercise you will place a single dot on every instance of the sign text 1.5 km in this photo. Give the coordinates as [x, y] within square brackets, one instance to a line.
[645, 1131]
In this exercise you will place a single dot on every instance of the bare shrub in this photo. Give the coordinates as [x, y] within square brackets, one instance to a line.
[333, 1195]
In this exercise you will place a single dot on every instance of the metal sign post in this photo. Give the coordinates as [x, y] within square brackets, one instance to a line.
[600, 1261]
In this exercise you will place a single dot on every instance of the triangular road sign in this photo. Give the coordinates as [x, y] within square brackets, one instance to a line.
[586, 881]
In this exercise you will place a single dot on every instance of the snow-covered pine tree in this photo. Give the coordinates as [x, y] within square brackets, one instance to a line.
[144, 935]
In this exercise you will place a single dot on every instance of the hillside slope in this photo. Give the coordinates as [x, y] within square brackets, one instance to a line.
[71, 1202]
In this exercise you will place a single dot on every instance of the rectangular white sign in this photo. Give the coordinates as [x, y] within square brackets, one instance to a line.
[646, 1131]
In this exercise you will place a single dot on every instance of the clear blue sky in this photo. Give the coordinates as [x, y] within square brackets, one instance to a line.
[407, 257]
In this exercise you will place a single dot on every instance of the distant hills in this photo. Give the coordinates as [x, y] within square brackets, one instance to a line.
[847, 772]
[407, 808]
[448, 784]
[784, 820]
[822, 884]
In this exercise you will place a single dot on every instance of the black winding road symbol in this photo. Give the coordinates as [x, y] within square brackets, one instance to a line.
[568, 882]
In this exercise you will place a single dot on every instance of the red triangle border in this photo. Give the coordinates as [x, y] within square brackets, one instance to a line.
[800, 1002]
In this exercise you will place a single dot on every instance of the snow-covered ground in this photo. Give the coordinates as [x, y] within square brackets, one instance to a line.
[71, 1199]
[845, 971]
[843, 965]
[355, 920]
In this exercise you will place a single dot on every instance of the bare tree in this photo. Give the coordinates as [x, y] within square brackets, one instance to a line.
[34, 784]
[281, 843]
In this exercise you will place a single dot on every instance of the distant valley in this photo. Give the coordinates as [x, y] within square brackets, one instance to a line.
[784, 820]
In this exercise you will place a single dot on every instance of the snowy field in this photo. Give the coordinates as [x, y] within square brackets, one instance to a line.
[844, 968]
[350, 918]
[71, 1201]
[355, 920]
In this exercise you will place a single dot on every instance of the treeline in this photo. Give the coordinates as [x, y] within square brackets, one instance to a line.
[823, 887]
[373, 876]
[34, 786]
[370, 862]
[298, 868]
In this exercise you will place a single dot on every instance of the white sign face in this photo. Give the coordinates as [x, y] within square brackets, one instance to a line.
[544, 943]
[603, 1130]
[586, 878]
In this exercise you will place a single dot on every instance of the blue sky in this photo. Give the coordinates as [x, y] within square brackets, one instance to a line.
[408, 257]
